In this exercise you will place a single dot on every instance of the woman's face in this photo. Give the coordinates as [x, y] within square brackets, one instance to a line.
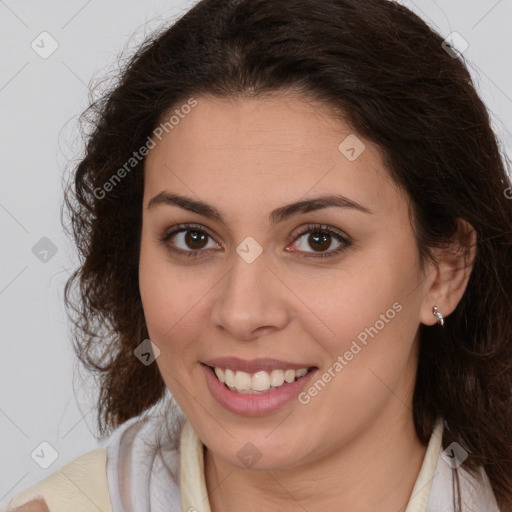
[258, 284]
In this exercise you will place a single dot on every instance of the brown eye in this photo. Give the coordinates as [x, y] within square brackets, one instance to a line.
[320, 240]
[195, 239]
[188, 240]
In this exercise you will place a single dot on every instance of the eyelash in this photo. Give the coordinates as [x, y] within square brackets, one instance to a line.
[316, 228]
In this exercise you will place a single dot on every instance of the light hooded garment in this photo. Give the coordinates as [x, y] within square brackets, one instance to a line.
[140, 469]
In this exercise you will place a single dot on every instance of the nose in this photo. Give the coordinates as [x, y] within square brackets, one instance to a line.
[250, 301]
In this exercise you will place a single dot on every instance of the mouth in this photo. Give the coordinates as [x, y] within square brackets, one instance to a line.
[259, 382]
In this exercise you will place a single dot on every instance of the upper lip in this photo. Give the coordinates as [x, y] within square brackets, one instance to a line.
[254, 365]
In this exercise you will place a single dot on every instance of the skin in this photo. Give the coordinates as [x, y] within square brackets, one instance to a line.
[33, 506]
[353, 446]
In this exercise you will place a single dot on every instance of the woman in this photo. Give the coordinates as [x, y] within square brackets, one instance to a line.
[294, 224]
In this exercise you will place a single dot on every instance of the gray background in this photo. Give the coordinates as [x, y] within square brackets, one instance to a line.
[43, 397]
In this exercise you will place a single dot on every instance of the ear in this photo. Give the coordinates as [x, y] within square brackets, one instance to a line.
[449, 275]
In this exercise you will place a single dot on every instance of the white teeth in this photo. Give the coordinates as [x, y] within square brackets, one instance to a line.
[242, 381]
[289, 375]
[277, 378]
[220, 374]
[259, 382]
[229, 376]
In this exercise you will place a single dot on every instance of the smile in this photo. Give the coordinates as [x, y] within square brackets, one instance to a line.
[259, 382]
[253, 391]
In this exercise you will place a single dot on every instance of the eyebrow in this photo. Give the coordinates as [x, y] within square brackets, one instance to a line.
[276, 216]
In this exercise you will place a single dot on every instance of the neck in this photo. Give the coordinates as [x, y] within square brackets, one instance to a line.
[377, 470]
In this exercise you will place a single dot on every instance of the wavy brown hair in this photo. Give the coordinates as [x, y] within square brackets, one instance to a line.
[386, 72]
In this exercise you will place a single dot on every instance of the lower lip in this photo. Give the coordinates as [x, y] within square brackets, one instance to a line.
[252, 404]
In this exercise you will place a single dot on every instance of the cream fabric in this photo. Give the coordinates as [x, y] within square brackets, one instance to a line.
[194, 495]
[80, 486]
[421, 489]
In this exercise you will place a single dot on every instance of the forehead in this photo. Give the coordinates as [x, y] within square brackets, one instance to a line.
[281, 146]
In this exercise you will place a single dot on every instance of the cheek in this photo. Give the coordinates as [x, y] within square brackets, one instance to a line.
[375, 319]
[172, 299]
[341, 304]
[369, 315]
[159, 288]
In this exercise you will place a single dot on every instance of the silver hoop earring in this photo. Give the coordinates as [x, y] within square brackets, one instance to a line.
[438, 314]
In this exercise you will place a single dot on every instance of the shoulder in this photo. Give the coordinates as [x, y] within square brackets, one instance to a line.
[75, 486]
[144, 449]
[33, 506]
